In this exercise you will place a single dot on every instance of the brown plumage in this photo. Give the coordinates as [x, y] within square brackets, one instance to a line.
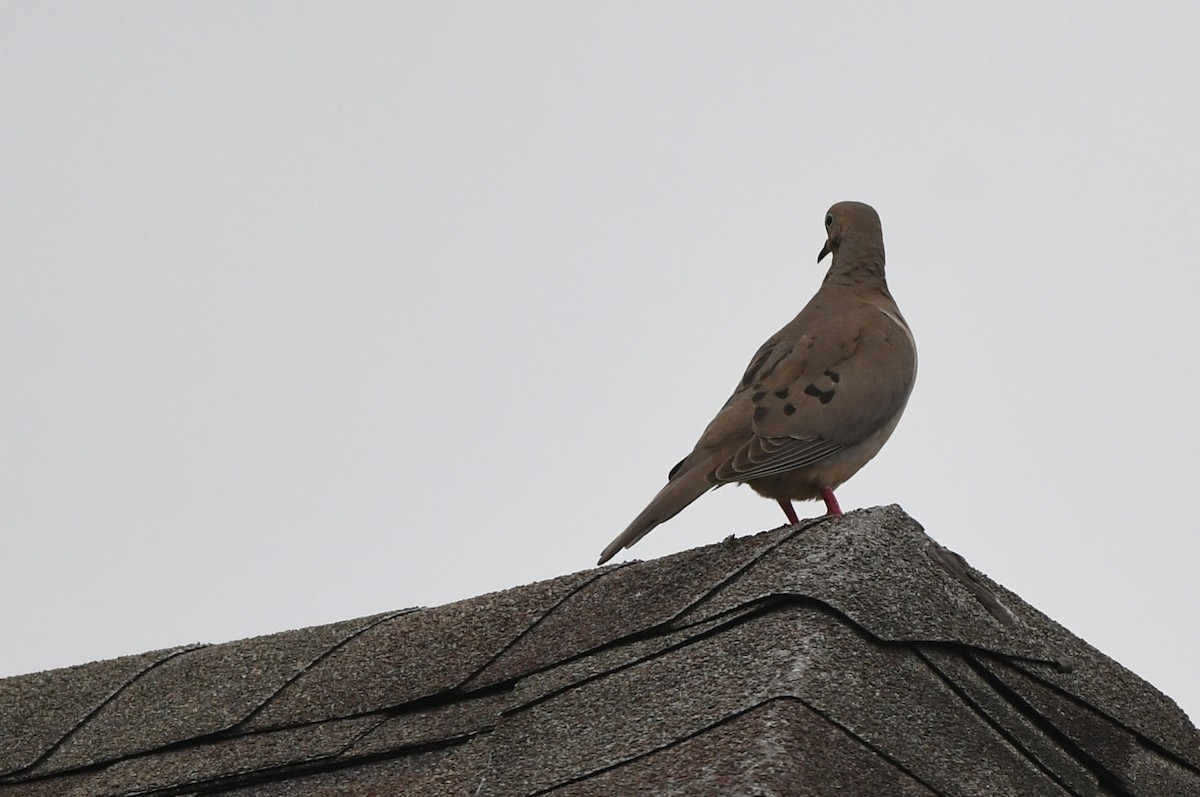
[819, 398]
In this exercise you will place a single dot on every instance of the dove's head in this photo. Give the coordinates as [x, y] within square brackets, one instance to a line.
[854, 227]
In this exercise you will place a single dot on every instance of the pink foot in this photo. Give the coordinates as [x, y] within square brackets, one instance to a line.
[831, 504]
[788, 510]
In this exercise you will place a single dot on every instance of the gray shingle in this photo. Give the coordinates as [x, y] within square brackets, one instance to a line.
[782, 747]
[415, 656]
[196, 693]
[648, 597]
[40, 710]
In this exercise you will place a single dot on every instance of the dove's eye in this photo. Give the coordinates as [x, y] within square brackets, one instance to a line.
[828, 219]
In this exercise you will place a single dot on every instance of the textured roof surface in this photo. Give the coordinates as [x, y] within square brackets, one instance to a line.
[849, 655]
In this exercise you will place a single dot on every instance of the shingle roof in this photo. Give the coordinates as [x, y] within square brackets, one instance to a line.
[849, 655]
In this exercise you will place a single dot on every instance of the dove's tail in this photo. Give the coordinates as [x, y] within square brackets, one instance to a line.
[680, 491]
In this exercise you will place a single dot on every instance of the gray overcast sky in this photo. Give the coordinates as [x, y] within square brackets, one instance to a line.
[311, 311]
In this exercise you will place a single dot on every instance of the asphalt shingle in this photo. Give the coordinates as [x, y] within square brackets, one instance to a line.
[38, 712]
[850, 655]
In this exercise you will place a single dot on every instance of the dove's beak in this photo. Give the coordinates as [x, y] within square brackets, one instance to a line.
[824, 251]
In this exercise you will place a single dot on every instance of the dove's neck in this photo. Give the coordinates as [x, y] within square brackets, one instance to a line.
[857, 261]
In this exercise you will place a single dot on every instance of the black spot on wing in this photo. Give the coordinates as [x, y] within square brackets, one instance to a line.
[824, 396]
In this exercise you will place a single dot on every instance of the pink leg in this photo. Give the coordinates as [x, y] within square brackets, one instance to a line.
[831, 504]
[788, 510]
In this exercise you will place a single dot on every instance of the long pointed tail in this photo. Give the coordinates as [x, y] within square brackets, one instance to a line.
[671, 499]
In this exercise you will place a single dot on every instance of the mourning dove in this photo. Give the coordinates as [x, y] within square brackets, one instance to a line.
[819, 399]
